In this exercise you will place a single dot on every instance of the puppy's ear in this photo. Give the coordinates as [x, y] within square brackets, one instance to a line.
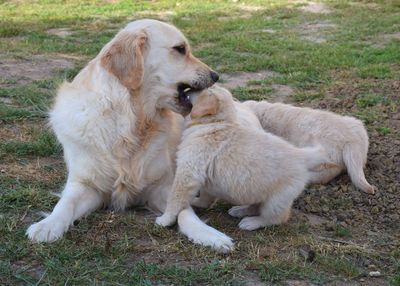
[124, 59]
[205, 105]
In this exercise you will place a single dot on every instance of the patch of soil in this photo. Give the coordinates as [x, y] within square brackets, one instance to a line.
[340, 201]
[30, 168]
[245, 11]
[22, 131]
[237, 16]
[372, 6]
[14, 40]
[253, 279]
[35, 68]
[383, 40]
[316, 32]
[35, 269]
[269, 31]
[250, 8]
[60, 32]
[232, 81]
[161, 15]
[48, 169]
[281, 93]
[299, 283]
[316, 8]
[204, 46]
[5, 100]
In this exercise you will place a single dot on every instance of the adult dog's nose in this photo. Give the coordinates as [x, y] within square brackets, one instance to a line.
[214, 76]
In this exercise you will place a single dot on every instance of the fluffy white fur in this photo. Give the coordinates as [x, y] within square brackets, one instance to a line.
[116, 123]
[344, 138]
[245, 166]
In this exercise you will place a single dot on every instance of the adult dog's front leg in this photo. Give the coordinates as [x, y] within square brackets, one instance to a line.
[200, 233]
[76, 201]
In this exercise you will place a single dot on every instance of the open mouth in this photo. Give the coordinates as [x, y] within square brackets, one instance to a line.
[183, 95]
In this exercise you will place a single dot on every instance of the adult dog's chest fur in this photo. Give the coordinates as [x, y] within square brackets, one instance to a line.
[110, 145]
[141, 151]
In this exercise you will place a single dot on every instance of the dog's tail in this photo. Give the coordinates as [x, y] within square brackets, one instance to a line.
[354, 159]
[200, 233]
[316, 159]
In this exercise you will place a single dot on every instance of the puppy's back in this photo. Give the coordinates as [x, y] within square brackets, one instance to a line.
[249, 165]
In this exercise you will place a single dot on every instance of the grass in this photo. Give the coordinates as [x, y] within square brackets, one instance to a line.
[354, 70]
[44, 144]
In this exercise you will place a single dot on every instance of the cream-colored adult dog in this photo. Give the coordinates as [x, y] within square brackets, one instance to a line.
[116, 123]
[245, 166]
[344, 138]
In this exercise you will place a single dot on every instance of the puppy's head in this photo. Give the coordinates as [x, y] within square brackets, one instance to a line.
[155, 58]
[212, 104]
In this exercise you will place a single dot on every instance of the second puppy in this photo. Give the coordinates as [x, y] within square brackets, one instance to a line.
[237, 164]
[344, 137]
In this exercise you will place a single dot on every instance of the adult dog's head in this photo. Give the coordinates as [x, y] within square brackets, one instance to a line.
[154, 59]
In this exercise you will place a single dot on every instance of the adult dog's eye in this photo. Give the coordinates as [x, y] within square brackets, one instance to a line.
[180, 49]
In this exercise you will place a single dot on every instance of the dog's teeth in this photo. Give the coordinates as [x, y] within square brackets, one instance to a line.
[186, 89]
[187, 97]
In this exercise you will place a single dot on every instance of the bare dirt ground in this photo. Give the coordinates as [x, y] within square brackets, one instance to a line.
[316, 32]
[35, 67]
[231, 81]
[317, 8]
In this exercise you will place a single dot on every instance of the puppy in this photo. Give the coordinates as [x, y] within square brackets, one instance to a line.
[344, 138]
[237, 164]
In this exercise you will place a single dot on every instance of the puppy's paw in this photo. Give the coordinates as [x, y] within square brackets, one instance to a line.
[165, 220]
[47, 230]
[242, 211]
[370, 190]
[251, 223]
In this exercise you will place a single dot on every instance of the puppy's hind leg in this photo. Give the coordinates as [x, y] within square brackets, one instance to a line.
[354, 161]
[242, 211]
[275, 210]
[76, 201]
[324, 176]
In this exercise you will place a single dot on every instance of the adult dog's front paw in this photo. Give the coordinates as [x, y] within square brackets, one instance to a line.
[165, 220]
[47, 230]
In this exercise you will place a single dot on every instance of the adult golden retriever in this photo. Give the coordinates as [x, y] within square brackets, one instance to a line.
[119, 126]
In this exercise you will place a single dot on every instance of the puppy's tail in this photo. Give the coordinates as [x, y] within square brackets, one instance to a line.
[316, 159]
[354, 159]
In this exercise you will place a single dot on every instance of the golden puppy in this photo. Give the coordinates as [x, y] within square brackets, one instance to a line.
[241, 165]
[344, 138]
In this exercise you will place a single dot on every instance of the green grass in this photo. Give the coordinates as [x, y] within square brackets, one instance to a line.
[341, 231]
[10, 114]
[369, 100]
[355, 72]
[384, 130]
[43, 144]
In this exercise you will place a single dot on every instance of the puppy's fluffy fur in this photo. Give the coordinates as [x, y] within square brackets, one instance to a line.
[344, 138]
[237, 164]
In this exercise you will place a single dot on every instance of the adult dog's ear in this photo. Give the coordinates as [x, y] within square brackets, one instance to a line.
[124, 58]
[205, 105]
